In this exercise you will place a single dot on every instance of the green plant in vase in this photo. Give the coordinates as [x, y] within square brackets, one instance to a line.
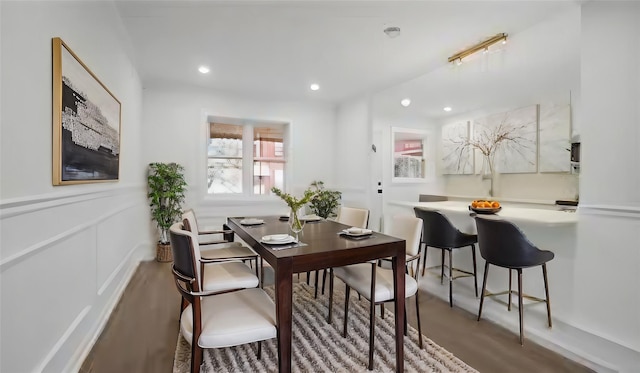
[294, 204]
[325, 202]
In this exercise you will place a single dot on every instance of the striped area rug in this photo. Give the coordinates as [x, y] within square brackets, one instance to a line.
[320, 347]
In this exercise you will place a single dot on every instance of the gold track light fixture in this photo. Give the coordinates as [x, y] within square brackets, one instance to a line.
[482, 46]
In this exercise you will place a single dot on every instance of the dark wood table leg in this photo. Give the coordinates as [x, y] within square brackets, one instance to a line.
[284, 289]
[399, 262]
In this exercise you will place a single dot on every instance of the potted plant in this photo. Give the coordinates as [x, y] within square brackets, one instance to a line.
[325, 202]
[166, 193]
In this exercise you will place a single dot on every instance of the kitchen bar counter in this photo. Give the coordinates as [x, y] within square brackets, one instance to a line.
[512, 212]
[547, 228]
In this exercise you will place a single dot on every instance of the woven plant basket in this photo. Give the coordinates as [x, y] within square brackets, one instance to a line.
[163, 253]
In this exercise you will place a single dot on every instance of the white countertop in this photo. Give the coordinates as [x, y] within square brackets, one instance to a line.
[510, 212]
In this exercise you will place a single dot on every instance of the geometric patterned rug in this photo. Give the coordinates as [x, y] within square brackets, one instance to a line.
[320, 347]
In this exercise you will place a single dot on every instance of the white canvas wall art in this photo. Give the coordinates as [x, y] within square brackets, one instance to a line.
[555, 138]
[457, 158]
[515, 133]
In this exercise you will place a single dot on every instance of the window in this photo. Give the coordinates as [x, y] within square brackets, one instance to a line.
[408, 157]
[245, 158]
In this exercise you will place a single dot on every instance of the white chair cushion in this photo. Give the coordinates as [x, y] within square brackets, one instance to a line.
[358, 277]
[232, 319]
[226, 250]
[227, 276]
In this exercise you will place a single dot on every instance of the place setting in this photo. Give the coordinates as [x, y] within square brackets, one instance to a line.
[281, 241]
[356, 233]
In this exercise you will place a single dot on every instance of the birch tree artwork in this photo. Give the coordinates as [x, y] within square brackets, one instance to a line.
[457, 157]
[508, 140]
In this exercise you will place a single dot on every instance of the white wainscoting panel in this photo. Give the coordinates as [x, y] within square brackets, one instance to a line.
[64, 263]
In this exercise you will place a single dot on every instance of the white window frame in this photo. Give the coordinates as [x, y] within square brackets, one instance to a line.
[247, 158]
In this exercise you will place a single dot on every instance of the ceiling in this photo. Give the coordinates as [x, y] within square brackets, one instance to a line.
[275, 50]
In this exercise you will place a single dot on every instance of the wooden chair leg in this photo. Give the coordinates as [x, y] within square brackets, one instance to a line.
[315, 285]
[484, 286]
[308, 275]
[324, 279]
[424, 264]
[520, 306]
[329, 318]
[196, 357]
[475, 274]
[406, 323]
[382, 310]
[372, 327]
[347, 292]
[259, 350]
[418, 317]
[509, 304]
[261, 273]
[546, 292]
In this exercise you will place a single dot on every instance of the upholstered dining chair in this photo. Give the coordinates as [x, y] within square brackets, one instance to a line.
[376, 283]
[353, 217]
[220, 249]
[213, 274]
[438, 232]
[225, 315]
[503, 244]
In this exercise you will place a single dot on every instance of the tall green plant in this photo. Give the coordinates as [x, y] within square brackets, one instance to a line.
[166, 193]
[325, 202]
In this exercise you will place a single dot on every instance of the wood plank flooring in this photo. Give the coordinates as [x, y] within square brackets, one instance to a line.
[142, 332]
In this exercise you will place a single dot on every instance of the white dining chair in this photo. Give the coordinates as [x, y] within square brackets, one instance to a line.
[376, 284]
[353, 217]
[221, 312]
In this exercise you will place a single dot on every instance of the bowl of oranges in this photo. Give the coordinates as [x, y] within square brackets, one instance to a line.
[483, 206]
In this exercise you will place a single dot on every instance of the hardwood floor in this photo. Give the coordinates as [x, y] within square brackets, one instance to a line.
[142, 332]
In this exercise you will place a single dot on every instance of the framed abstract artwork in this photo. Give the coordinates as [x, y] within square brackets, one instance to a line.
[86, 122]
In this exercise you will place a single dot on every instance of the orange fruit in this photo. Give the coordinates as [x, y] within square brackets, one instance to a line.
[495, 204]
[474, 204]
[486, 205]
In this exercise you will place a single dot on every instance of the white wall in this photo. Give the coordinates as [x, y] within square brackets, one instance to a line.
[352, 149]
[176, 131]
[607, 300]
[67, 251]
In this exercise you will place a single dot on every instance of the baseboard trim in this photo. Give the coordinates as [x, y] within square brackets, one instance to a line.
[61, 341]
[567, 340]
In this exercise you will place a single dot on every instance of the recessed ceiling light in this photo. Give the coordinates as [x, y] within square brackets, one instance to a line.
[447, 108]
[405, 102]
[314, 87]
[204, 69]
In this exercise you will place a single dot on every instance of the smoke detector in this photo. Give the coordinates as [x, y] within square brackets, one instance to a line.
[392, 31]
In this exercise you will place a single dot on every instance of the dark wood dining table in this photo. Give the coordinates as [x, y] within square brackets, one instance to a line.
[324, 248]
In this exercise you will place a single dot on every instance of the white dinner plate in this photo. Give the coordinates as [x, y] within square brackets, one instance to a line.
[251, 221]
[278, 239]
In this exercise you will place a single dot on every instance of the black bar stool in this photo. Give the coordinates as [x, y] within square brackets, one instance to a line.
[503, 244]
[438, 232]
